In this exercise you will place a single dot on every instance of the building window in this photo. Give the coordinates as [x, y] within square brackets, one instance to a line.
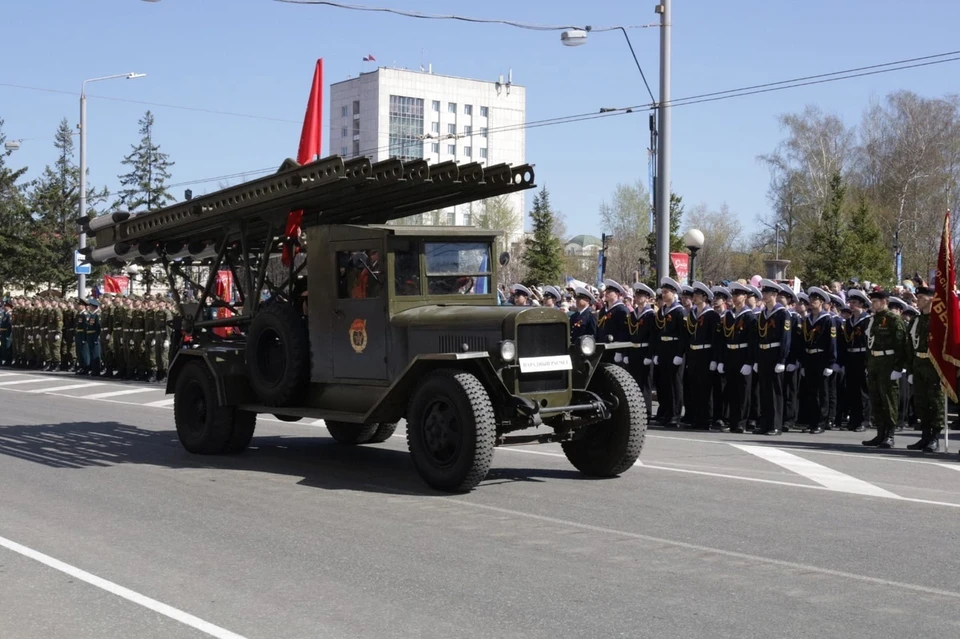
[451, 107]
[343, 151]
[343, 132]
[356, 107]
[468, 130]
[356, 148]
[484, 111]
[468, 219]
[435, 127]
[468, 151]
[483, 153]
[406, 127]
[452, 129]
[451, 218]
[344, 111]
[435, 147]
[436, 106]
[452, 149]
[483, 132]
[468, 109]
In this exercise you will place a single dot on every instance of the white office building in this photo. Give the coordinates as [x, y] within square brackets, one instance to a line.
[398, 113]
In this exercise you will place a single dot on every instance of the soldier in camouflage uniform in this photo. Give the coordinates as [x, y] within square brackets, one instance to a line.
[927, 390]
[117, 330]
[68, 345]
[135, 360]
[17, 323]
[106, 327]
[149, 340]
[6, 334]
[886, 339]
[54, 334]
[80, 337]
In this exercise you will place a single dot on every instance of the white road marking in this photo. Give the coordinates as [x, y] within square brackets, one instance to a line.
[163, 403]
[127, 391]
[27, 381]
[120, 591]
[827, 477]
[65, 388]
[802, 568]
[954, 466]
[8, 374]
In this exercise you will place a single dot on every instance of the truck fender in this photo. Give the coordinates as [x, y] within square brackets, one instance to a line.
[226, 364]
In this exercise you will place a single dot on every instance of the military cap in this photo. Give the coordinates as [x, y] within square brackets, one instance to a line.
[672, 284]
[836, 300]
[803, 297]
[896, 301]
[686, 290]
[8, 304]
[639, 288]
[878, 294]
[552, 291]
[585, 293]
[925, 290]
[520, 289]
[612, 285]
[721, 291]
[93, 302]
[910, 310]
[755, 291]
[737, 287]
[770, 285]
[788, 292]
[845, 309]
[860, 296]
[816, 291]
[703, 289]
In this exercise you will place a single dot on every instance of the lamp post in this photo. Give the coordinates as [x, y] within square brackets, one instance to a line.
[82, 279]
[693, 239]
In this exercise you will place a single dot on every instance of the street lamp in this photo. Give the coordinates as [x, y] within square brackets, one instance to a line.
[693, 240]
[82, 279]
[12, 145]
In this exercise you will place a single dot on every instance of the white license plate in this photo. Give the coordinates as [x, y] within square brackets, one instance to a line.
[545, 364]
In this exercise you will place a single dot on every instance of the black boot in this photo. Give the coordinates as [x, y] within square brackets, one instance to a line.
[933, 445]
[873, 442]
[921, 443]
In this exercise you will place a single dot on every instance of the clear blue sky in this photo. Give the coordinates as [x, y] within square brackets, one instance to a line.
[257, 56]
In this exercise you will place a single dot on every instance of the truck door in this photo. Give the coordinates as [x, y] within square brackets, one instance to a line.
[359, 311]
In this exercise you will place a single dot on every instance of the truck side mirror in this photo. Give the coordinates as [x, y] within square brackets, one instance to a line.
[504, 258]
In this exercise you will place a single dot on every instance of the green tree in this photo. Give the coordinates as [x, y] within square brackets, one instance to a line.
[144, 187]
[869, 256]
[543, 256]
[18, 245]
[676, 239]
[625, 219]
[55, 201]
[497, 213]
[827, 251]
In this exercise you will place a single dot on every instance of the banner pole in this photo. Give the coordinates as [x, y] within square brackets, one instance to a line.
[946, 426]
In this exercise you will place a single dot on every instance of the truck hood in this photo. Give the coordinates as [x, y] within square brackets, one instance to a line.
[475, 317]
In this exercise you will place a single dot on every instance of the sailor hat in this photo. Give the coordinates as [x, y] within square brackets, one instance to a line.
[585, 293]
[700, 287]
[896, 301]
[520, 289]
[639, 288]
[672, 284]
[552, 291]
[816, 291]
[721, 291]
[770, 285]
[613, 285]
[737, 287]
[803, 297]
[860, 296]
[788, 292]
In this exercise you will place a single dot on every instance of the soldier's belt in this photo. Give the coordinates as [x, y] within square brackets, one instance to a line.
[923, 355]
[765, 347]
[700, 347]
[881, 353]
[643, 344]
[814, 351]
[856, 350]
[734, 347]
[665, 338]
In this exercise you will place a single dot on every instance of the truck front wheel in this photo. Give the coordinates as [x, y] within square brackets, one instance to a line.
[451, 430]
[612, 446]
[204, 426]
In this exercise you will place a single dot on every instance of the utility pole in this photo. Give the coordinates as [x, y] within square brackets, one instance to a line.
[82, 279]
[662, 200]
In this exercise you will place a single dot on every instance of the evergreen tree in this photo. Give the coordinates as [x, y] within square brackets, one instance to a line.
[676, 240]
[869, 256]
[828, 252]
[18, 245]
[144, 188]
[543, 256]
[55, 201]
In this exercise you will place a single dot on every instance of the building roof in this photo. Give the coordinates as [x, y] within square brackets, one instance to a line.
[584, 240]
[425, 72]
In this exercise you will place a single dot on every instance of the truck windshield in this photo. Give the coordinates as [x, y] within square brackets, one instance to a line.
[458, 268]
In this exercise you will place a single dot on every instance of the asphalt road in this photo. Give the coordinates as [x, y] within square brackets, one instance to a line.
[109, 529]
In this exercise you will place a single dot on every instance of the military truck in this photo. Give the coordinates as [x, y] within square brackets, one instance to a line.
[374, 324]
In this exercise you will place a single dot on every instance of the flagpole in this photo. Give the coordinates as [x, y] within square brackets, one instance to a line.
[946, 426]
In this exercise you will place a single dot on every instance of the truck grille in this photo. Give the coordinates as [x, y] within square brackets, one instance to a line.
[454, 343]
[539, 340]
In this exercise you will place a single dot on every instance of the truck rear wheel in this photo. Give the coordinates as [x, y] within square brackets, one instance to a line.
[451, 430]
[384, 432]
[351, 434]
[611, 447]
[204, 426]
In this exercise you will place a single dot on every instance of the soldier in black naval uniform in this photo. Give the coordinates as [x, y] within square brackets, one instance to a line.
[643, 332]
[819, 357]
[739, 331]
[753, 421]
[791, 376]
[612, 320]
[703, 348]
[773, 331]
[853, 360]
[671, 345]
[582, 320]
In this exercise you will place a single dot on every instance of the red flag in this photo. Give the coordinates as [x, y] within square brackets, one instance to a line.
[309, 150]
[111, 284]
[944, 338]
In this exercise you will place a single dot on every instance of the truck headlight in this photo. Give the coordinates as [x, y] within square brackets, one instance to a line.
[508, 351]
[588, 345]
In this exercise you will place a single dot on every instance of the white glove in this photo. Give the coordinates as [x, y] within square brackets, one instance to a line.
[131, 342]
[720, 368]
[827, 372]
[803, 372]
[56, 338]
[626, 359]
[910, 379]
[677, 361]
[647, 361]
[791, 368]
[618, 357]
[656, 360]
[895, 375]
[756, 368]
[153, 343]
[713, 366]
[166, 343]
[779, 368]
[746, 369]
[835, 368]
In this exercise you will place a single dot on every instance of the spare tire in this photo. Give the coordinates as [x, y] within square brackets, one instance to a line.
[278, 354]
